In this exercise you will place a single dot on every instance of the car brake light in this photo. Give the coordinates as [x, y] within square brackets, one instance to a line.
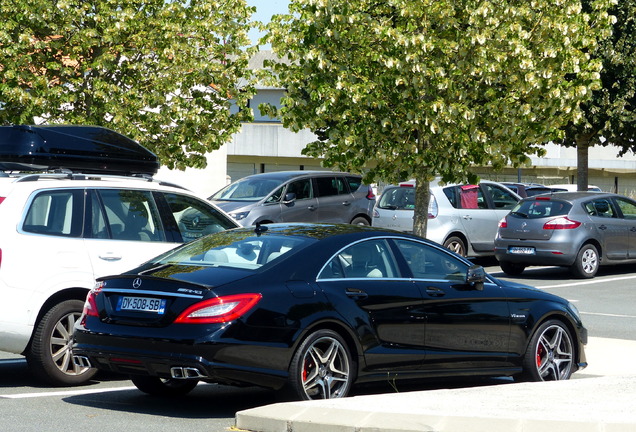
[90, 305]
[561, 223]
[219, 309]
[503, 223]
[370, 193]
[433, 209]
[543, 198]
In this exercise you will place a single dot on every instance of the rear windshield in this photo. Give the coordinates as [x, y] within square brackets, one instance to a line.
[399, 198]
[534, 209]
[238, 249]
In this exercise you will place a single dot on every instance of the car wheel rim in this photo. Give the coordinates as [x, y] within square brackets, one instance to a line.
[325, 372]
[456, 247]
[61, 342]
[589, 261]
[554, 354]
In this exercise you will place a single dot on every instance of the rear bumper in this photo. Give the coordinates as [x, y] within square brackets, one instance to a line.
[545, 253]
[212, 359]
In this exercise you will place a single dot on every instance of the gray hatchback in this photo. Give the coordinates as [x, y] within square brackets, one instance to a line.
[579, 230]
[297, 196]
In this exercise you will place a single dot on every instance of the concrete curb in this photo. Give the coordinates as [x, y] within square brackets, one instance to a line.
[600, 398]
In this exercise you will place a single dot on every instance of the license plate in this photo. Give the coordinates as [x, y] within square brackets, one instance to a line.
[517, 250]
[141, 304]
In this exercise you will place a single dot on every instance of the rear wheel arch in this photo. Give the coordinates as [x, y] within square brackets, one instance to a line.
[57, 298]
[343, 331]
[359, 219]
[461, 236]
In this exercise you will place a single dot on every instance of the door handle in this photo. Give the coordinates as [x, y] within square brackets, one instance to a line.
[311, 208]
[467, 217]
[110, 257]
[355, 293]
[602, 227]
[346, 203]
[435, 292]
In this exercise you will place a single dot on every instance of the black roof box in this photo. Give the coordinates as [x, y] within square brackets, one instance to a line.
[85, 149]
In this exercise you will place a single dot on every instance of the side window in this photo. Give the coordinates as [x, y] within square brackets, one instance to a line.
[368, 259]
[276, 196]
[354, 183]
[628, 208]
[501, 198]
[329, 186]
[471, 197]
[302, 188]
[59, 213]
[195, 218]
[426, 262]
[131, 215]
[600, 208]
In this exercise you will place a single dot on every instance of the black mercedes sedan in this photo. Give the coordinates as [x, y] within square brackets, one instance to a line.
[316, 308]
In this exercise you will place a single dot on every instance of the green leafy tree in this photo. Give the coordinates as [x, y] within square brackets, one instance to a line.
[610, 115]
[171, 74]
[426, 88]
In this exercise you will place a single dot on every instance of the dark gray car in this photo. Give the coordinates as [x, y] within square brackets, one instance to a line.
[579, 230]
[298, 196]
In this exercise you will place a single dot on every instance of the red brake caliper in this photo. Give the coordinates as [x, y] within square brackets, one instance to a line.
[539, 355]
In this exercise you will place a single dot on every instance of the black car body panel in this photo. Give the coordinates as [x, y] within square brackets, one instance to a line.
[398, 325]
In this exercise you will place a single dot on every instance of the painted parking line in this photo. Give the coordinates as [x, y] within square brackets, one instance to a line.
[65, 393]
[590, 282]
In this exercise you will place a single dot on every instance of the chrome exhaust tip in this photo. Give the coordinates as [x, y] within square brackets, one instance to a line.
[82, 361]
[180, 372]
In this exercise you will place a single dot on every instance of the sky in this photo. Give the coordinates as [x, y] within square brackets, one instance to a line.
[264, 10]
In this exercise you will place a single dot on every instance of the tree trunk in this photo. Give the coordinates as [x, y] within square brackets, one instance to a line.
[422, 198]
[582, 161]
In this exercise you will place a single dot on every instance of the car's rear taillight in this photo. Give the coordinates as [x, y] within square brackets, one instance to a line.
[219, 309]
[433, 209]
[90, 305]
[561, 223]
[503, 223]
[370, 193]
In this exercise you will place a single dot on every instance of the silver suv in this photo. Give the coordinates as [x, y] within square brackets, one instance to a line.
[61, 230]
[463, 218]
[298, 196]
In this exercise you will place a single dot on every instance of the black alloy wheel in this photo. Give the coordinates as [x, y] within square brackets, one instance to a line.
[50, 357]
[550, 354]
[166, 387]
[322, 367]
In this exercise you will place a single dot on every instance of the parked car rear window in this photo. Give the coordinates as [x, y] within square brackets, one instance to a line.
[399, 198]
[534, 209]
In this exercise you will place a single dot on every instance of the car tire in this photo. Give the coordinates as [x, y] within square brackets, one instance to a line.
[550, 353]
[587, 262]
[49, 356]
[360, 221]
[322, 367]
[512, 269]
[165, 387]
[456, 245]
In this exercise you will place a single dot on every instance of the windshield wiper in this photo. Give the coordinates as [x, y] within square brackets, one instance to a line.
[523, 215]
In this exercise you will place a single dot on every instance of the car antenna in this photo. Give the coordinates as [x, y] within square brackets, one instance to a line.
[260, 228]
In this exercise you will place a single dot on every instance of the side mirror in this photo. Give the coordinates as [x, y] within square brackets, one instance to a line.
[290, 197]
[476, 275]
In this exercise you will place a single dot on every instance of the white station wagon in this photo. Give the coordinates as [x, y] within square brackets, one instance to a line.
[77, 203]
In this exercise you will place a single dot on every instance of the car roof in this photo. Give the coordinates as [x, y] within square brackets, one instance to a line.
[285, 175]
[571, 196]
